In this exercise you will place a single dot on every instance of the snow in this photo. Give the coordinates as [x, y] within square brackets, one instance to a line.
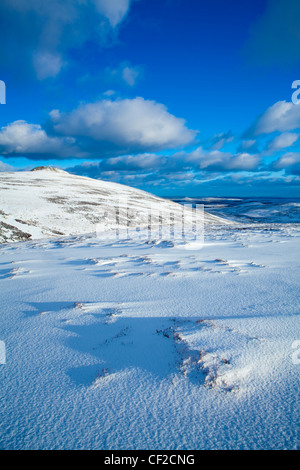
[49, 202]
[138, 344]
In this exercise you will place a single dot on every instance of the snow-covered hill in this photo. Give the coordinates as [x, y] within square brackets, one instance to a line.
[48, 202]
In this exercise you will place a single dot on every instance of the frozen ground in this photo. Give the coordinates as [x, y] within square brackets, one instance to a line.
[135, 345]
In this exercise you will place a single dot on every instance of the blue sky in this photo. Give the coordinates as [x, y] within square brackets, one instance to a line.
[177, 97]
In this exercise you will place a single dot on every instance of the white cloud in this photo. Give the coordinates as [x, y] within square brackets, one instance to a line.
[282, 116]
[58, 13]
[125, 72]
[247, 144]
[130, 75]
[220, 161]
[129, 123]
[109, 93]
[146, 161]
[287, 160]
[22, 138]
[41, 33]
[219, 140]
[47, 65]
[283, 141]
[99, 130]
[114, 10]
[180, 166]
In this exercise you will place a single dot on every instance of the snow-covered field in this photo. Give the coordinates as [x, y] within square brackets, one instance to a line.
[135, 344]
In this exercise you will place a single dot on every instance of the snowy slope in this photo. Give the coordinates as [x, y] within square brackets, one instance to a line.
[130, 344]
[141, 346]
[49, 202]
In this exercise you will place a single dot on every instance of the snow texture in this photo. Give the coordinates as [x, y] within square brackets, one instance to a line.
[132, 344]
